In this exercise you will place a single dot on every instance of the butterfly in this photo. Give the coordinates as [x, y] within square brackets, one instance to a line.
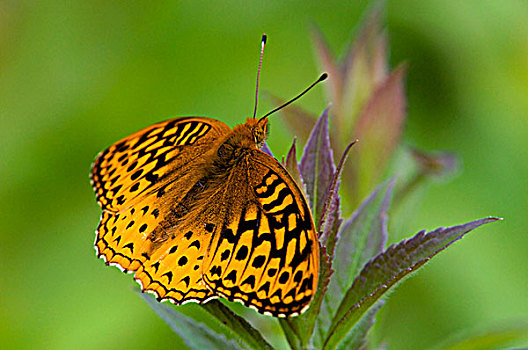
[197, 211]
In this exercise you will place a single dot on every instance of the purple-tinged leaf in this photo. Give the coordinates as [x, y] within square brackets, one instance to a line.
[317, 166]
[298, 120]
[360, 238]
[328, 63]
[357, 337]
[329, 226]
[265, 148]
[197, 330]
[303, 326]
[379, 130]
[387, 269]
[332, 223]
[293, 167]
[370, 44]
[436, 164]
[416, 170]
[330, 217]
[365, 66]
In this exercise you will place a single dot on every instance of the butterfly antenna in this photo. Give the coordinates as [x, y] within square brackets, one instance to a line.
[321, 78]
[263, 43]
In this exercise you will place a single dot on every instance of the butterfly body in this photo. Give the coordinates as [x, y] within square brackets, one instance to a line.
[197, 211]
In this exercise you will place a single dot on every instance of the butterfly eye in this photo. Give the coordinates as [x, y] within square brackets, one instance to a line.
[259, 136]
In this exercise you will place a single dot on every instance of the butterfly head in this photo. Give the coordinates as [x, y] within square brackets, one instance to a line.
[258, 129]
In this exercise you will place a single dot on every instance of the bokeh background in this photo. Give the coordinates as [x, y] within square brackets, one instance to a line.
[75, 76]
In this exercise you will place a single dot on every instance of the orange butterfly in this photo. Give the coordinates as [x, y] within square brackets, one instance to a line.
[197, 211]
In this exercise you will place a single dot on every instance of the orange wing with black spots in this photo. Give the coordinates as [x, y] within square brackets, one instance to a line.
[266, 253]
[143, 162]
[139, 182]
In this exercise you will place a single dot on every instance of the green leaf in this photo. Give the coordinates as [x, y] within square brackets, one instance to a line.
[495, 339]
[360, 238]
[290, 331]
[387, 269]
[197, 330]
[357, 337]
[363, 236]
[196, 335]
[243, 332]
[317, 166]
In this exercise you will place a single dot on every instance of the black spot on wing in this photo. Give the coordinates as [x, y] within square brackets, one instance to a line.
[284, 277]
[130, 246]
[298, 276]
[195, 244]
[134, 187]
[156, 265]
[265, 287]
[242, 253]
[231, 276]
[183, 260]
[145, 209]
[250, 280]
[259, 261]
[216, 270]
[168, 275]
[136, 175]
[225, 255]
[187, 280]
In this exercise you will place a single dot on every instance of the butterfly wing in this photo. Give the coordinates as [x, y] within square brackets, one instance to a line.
[143, 162]
[139, 182]
[266, 252]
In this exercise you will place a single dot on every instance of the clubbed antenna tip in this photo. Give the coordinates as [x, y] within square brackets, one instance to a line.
[321, 78]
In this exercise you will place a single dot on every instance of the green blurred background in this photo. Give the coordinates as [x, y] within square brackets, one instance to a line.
[75, 76]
